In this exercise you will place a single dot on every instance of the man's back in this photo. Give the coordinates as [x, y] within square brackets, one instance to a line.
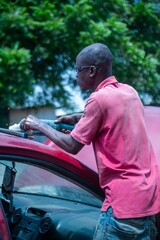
[125, 158]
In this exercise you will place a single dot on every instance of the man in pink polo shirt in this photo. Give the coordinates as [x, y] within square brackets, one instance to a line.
[113, 120]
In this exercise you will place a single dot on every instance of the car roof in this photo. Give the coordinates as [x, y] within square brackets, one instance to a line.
[152, 118]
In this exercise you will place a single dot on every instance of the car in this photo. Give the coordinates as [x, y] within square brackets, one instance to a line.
[47, 193]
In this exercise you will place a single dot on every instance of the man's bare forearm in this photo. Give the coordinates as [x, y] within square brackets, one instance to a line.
[64, 141]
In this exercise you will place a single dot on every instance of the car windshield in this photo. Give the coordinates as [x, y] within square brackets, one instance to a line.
[34, 180]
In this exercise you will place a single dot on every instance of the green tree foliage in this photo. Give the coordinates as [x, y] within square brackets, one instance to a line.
[40, 40]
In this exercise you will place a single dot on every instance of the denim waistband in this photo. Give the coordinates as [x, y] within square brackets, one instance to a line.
[150, 217]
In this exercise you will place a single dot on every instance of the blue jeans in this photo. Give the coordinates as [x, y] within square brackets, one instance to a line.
[111, 228]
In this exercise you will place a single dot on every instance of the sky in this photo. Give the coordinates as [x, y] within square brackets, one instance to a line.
[76, 98]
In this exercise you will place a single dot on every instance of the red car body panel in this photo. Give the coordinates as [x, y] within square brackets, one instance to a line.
[152, 117]
[4, 230]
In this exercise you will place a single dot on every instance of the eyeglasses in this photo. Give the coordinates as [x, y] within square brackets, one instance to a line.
[79, 69]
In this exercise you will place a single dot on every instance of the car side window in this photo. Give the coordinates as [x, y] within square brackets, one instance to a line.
[30, 179]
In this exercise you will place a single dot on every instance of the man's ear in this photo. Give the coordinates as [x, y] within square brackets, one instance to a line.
[93, 71]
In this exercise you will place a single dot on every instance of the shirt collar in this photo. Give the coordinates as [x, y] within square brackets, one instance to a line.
[107, 81]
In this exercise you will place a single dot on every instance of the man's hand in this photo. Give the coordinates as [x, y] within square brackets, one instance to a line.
[31, 123]
[70, 119]
[64, 141]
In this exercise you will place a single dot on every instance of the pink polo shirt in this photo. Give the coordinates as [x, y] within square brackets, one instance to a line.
[113, 121]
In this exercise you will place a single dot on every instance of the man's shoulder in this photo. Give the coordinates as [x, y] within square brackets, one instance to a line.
[105, 91]
[100, 97]
[111, 95]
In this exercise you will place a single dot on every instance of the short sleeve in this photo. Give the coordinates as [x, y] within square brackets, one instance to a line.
[89, 125]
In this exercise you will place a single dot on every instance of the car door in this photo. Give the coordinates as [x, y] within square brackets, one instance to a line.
[4, 229]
